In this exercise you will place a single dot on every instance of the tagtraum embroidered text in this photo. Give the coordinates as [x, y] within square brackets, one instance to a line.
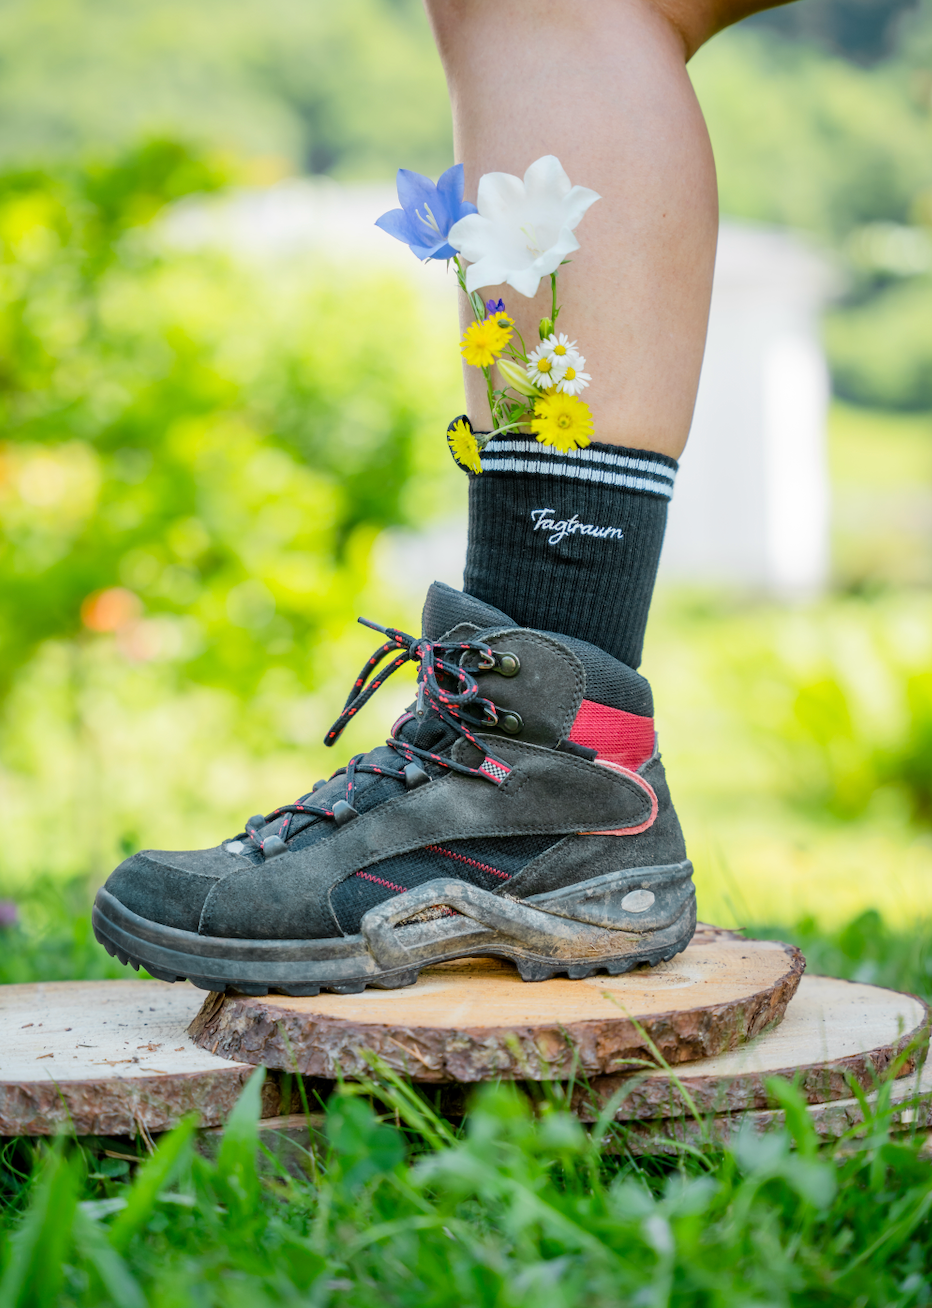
[544, 521]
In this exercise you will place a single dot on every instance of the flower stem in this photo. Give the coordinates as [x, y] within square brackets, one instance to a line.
[523, 358]
[475, 301]
[508, 427]
[554, 310]
[491, 393]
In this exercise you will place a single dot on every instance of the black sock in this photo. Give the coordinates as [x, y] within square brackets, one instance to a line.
[569, 542]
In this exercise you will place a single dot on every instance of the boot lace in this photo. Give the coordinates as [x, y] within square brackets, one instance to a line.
[447, 689]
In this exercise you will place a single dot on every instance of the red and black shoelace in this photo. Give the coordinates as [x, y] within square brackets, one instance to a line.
[448, 690]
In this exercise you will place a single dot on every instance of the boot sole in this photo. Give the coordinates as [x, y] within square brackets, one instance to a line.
[611, 923]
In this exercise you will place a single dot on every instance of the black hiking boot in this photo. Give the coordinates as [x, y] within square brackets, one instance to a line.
[519, 809]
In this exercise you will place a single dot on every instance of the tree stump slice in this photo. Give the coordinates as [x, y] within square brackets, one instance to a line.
[474, 1019]
[832, 1030]
[910, 1099]
[108, 1058]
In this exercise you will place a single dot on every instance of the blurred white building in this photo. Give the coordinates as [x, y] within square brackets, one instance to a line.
[751, 506]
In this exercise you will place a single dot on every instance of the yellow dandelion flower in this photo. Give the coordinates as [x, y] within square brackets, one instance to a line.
[562, 421]
[484, 341]
[463, 445]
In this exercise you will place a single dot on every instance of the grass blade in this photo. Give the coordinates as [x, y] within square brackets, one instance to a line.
[151, 1179]
[34, 1275]
[92, 1243]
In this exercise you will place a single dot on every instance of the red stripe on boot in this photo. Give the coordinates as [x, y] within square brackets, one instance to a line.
[617, 736]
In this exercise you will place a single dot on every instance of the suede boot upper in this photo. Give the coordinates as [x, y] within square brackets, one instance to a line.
[529, 767]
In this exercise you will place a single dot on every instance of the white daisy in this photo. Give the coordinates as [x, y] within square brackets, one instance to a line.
[574, 379]
[544, 369]
[561, 348]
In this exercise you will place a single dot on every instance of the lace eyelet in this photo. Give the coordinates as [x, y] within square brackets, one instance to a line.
[343, 813]
[415, 776]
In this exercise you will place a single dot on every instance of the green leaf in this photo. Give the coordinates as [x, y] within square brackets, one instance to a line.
[154, 1175]
[798, 1121]
[236, 1159]
[120, 1284]
[35, 1272]
[363, 1146]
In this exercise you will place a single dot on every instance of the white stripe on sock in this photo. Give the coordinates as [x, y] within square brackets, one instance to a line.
[495, 463]
[585, 455]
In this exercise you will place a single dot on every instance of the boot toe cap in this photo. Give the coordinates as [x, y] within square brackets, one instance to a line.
[170, 887]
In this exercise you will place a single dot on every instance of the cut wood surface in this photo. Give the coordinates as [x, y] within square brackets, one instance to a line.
[474, 1019]
[910, 1099]
[832, 1030]
[106, 1058]
[112, 1057]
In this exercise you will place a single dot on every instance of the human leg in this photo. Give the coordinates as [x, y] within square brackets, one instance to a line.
[602, 84]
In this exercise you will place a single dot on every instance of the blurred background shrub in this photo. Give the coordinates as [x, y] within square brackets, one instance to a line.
[197, 460]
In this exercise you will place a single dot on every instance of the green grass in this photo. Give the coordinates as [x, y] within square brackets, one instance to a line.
[521, 1207]
[50, 937]
[518, 1205]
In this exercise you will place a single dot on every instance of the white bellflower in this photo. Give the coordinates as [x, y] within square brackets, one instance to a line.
[523, 229]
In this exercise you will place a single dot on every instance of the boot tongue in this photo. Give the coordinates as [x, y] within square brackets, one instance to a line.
[433, 734]
[445, 608]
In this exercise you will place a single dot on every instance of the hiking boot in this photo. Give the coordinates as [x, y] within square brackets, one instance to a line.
[519, 809]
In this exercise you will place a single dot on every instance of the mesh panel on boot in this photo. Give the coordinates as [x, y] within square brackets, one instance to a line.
[489, 864]
[608, 681]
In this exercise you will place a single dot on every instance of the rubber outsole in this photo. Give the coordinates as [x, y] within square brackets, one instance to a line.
[575, 932]
[527, 969]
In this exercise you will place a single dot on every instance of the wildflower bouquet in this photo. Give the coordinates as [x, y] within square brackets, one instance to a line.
[519, 232]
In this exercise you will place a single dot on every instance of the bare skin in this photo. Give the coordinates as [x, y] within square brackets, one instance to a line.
[602, 84]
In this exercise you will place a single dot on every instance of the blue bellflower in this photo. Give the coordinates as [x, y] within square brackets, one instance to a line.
[427, 212]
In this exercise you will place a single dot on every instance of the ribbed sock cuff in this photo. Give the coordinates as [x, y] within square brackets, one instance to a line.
[570, 542]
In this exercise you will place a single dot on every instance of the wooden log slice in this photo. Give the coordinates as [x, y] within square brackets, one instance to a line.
[108, 1058]
[910, 1100]
[474, 1019]
[832, 1030]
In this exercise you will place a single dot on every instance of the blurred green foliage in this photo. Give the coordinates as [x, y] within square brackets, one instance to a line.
[843, 153]
[798, 743]
[837, 697]
[810, 141]
[838, 147]
[862, 30]
[865, 949]
[881, 346]
[46, 935]
[200, 457]
[201, 454]
[348, 89]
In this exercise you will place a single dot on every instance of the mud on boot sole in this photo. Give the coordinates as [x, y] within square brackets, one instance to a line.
[612, 923]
